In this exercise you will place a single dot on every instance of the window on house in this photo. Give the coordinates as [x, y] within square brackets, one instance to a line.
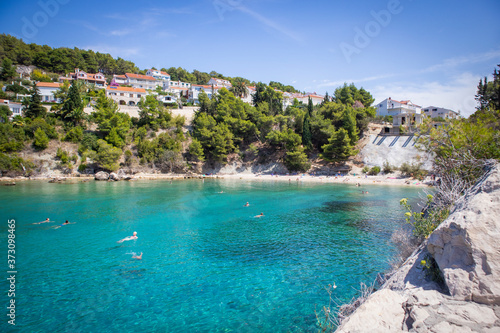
[122, 94]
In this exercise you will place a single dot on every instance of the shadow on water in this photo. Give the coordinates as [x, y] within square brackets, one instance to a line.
[349, 206]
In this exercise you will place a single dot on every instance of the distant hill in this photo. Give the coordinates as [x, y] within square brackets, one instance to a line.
[64, 60]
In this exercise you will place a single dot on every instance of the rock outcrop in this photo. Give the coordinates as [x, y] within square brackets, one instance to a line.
[466, 248]
[101, 175]
[114, 176]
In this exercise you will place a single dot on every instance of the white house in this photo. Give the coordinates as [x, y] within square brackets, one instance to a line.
[176, 84]
[391, 107]
[142, 81]
[47, 90]
[159, 75]
[167, 99]
[196, 90]
[219, 83]
[434, 112]
[125, 95]
[118, 80]
[16, 108]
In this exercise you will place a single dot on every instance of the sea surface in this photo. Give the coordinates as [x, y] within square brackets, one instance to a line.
[208, 264]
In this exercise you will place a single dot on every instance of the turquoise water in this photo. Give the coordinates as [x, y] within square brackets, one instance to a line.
[208, 264]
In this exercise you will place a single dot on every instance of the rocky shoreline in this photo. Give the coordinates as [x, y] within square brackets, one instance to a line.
[466, 249]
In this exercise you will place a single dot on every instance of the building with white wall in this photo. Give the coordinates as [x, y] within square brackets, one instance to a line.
[159, 75]
[126, 95]
[47, 91]
[219, 83]
[392, 107]
[15, 108]
[435, 112]
[142, 81]
[118, 80]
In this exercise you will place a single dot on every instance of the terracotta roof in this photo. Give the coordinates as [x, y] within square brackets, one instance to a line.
[129, 89]
[164, 73]
[9, 102]
[120, 76]
[140, 76]
[48, 84]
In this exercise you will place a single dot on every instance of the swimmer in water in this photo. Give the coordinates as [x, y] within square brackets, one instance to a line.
[260, 215]
[46, 221]
[65, 223]
[134, 236]
[137, 257]
[247, 204]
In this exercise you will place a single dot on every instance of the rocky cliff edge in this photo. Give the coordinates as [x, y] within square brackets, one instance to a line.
[466, 247]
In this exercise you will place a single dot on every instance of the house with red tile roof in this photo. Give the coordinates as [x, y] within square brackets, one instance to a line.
[118, 80]
[391, 107]
[142, 81]
[159, 75]
[97, 79]
[47, 91]
[126, 95]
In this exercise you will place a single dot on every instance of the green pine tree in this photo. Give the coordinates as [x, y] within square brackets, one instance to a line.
[73, 101]
[338, 148]
[41, 139]
[34, 107]
[8, 71]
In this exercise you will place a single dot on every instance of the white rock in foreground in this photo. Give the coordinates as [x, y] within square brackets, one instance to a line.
[467, 245]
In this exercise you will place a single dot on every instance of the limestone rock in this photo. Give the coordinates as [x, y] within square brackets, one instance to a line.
[466, 245]
[114, 176]
[382, 312]
[101, 175]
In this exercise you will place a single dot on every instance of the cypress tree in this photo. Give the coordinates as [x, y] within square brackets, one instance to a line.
[306, 126]
[73, 101]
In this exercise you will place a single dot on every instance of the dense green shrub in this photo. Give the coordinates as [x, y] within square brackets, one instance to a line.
[374, 171]
[74, 135]
[14, 164]
[413, 170]
[387, 168]
[365, 169]
[41, 139]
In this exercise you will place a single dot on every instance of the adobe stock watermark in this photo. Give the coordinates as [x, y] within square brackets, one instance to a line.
[363, 37]
[222, 6]
[49, 9]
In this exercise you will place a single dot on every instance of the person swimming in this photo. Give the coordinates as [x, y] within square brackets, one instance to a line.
[134, 236]
[138, 257]
[46, 221]
[65, 223]
[247, 204]
[260, 215]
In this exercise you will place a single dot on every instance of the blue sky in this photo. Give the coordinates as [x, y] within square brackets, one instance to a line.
[431, 52]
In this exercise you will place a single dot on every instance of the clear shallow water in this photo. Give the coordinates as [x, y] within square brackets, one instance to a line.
[208, 264]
